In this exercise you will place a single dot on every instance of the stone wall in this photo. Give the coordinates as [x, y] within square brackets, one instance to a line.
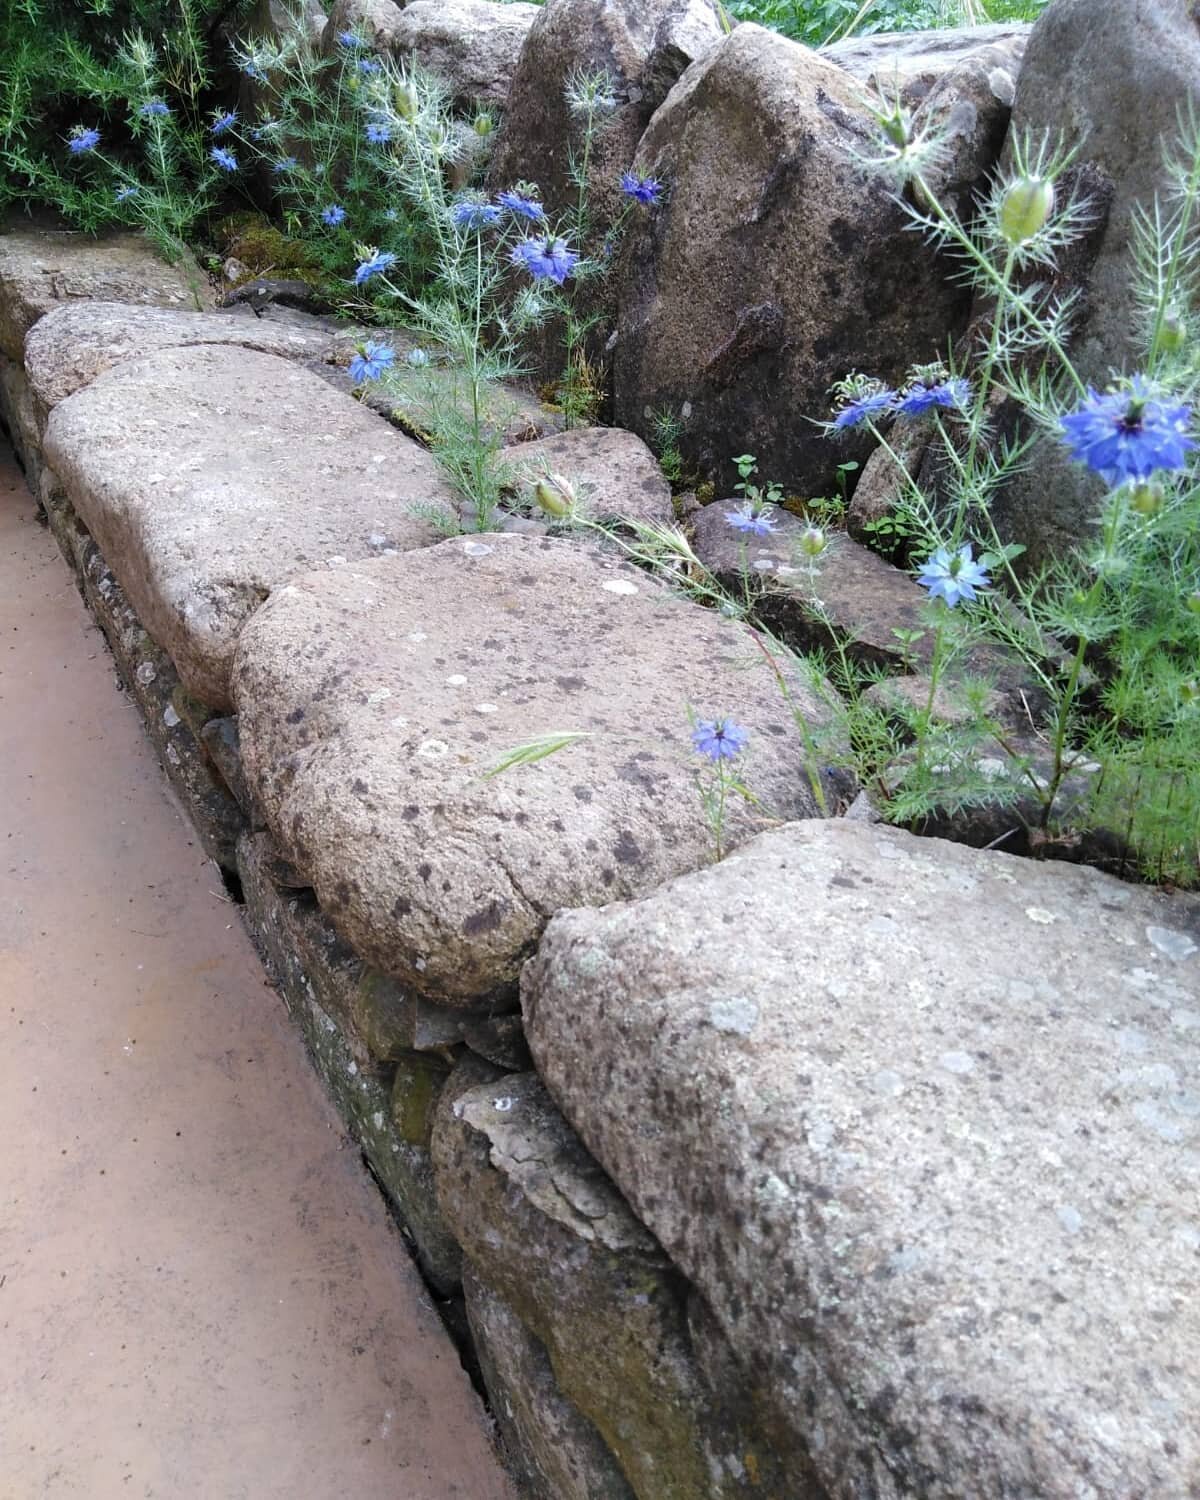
[854, 1165]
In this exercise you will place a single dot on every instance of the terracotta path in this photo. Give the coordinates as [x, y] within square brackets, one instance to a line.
[201, 1296]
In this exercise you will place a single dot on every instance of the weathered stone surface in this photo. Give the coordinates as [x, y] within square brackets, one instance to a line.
[643, 46]
[776, 265]
[19, 418]
[386, 1110]
[374, 702]
[617, 476]
[41, 268]
[548, 1232]
[1113, 78]
[473, 45]
[882, 485]
[73, 344]
[376, 21]
[918, 61]
[209, 475]
[551, 1446]
[922, 1124]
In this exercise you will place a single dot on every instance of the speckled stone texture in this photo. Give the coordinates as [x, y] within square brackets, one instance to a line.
[922, 1123]
[920, 60]
[472, 45]
[210, 475]
[70, 346]
[616, 475]
[374, 700]
[41, 268]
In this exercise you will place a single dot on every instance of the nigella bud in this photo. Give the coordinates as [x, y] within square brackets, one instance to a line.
[405, 101]
[483, 124]
[1192, 604]
[1173, 335]
[1146, 497]
[555, 495]
[812, 541]
[1024, 208]
[1189, 692]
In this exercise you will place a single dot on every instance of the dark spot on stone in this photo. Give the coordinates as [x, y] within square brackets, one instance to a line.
[341, 894]
[485, 920]
[582, 793]
[591, 845]
[425, 871]
[295, 716]
[607, 876]
[844, 881]
[570, 684]
[529, 580]
[520, 819]
[626, 849]
[402, 907]
[411, 813]
[360, 787]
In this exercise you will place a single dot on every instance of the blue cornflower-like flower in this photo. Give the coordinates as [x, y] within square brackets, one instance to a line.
[468, 215]
[379, 132]
[746, 518]
[371, 361]
[646, 190]
[369, 65]
[953, 576]
[83, 140]
[334, 215]
[224, 159]
[863, 408]
[155, 107]
[126, 192]
[524, 208]
[374, 265]
[545, 258]
[223, 120]
[1128, 434]
[348, 39]
[284, 164]
[719, 739]
[918, 399]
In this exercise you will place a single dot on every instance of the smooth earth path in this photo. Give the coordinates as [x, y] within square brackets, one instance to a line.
[201, 1295]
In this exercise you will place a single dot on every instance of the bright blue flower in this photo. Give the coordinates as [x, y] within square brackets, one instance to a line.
[284, 164]
[371, 361]
[83, 140]
[547, 258]
[469, 215]
[252, 70]
[517, 203]
[123, 193]
[953, 576]
[719, 739]
[224, 159]
[381, 261]
[746, 518]
[334, 215]
[369, 65]
[224, 120]
[155, 107]
[1128, 434]
[379, 132]
[646, 190]
[348, 39]
[863, 408]
[919, 399]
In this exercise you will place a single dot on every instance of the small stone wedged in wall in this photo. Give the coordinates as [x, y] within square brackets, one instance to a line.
[208, 475]
[547, 1233]
[922, 1125]
[472, 45]
[614, 473]
[374, 701]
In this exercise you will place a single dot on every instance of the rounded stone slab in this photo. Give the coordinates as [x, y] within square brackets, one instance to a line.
[922, 1123]
[473, 45]
[616, 475]
[40, 268]
[73, 344]
[208, 476]
[375, 700]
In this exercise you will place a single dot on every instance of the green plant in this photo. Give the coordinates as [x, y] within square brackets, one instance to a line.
[666, 428]
[819, 22]
[757, 496]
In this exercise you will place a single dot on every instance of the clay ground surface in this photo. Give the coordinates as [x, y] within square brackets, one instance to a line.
[201, 1294]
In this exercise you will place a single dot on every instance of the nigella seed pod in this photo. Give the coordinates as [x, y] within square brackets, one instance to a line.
[1174, 331]
[483, 124]
[1147, 497]
[555, 495]
[1189, 692]
[1026, 205]
[1193, 603]
[812, 541]
[405, 101]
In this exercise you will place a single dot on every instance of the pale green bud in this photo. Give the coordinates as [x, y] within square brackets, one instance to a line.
[483, 124]
[813, 541]
[405, 101]
[1147, 497]
[1173, 334]
[555, 495]
[1024, 209]
[1192, 604]
[1189, 692]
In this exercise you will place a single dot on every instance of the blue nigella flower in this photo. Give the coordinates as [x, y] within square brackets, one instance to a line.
[919, 399]
[83, 140]
[225, 119]
[224, 159]
[369, 65]
[517, 203]
[547, 258]
[746, 518]
[953, 576]
[155, 107]
[468, 215]
[333, 215]
[719, 739]
[379, 132]
[371, 361]
[1128, 434]
[284, 164]
[863, 408]
[123, 193]
[252, 70]
[348, 39]
[646, 190]
[381, 261]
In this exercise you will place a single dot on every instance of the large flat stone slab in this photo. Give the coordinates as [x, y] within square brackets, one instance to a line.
[41, 268]
[208, 476]
[374, 700]
[74, 343]
[923, 1125]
